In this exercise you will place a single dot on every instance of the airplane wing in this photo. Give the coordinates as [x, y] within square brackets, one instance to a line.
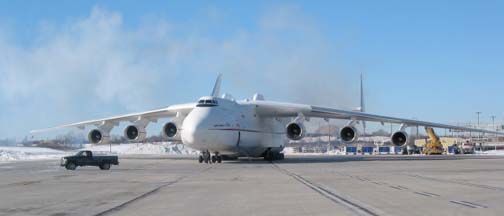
[151, 115]
[277, 109]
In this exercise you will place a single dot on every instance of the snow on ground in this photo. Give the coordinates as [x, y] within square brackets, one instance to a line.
[28, 153]
[290, 151]
[164, 148]
[492, 152]
[9, 154]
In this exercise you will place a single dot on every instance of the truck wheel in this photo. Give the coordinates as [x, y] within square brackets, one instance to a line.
[70, 166]
[105, 166]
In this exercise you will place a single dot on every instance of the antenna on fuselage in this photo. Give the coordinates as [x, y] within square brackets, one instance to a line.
[216, 88]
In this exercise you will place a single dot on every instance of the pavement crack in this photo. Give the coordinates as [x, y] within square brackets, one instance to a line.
[329, 194]
[481, 186]
[468, 204]
[148, 193]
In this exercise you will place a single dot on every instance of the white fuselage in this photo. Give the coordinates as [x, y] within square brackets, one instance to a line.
[231, 128]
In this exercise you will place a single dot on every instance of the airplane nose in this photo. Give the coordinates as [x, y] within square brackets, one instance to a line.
[200, 133]
[195, 127]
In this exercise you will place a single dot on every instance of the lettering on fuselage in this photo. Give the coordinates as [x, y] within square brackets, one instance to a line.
[222, 125]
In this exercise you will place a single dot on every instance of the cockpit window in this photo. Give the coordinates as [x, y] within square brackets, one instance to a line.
[207, 103]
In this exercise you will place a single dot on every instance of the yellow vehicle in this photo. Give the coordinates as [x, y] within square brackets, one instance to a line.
[434, 146]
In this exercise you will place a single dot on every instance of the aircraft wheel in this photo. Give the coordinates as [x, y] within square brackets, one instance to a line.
[200, 159]
[219, 159]
[214, 158]
[269, 156]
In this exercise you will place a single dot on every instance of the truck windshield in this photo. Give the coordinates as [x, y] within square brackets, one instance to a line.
[82, 153]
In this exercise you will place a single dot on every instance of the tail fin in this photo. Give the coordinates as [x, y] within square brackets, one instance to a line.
[216, 88]
[362, 107]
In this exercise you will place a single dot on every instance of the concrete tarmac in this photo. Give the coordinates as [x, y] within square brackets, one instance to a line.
[309, 185]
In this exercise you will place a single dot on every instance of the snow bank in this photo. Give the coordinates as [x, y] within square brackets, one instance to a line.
[492, 152]
[291, 151]
[28, 153]
[165, 148]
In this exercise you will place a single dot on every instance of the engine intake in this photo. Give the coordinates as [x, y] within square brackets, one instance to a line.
[96, 136]
[170, 130]
[399, 138]
[295, 131]
[349, 134]
[134, 132]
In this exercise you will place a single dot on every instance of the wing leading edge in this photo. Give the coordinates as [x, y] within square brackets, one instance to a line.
[276, 109]
[151, 115]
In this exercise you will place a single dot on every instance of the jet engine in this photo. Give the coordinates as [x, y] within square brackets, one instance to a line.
[96, 136]
[399, 138]
[295, 130]
[349, 134]
[170, 130]
[135, 132]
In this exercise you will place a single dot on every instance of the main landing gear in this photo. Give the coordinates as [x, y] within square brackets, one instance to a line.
[206, 157]
[271, 156]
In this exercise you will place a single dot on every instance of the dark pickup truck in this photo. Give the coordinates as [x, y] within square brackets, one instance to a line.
[86, 158]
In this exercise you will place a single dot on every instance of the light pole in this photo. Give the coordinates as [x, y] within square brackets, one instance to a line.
[493, 121]
[478, 113]
[493, 124]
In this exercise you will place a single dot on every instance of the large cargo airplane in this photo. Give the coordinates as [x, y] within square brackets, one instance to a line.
[223, 127]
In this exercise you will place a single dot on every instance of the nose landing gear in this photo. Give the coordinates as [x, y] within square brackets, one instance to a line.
[206, 157]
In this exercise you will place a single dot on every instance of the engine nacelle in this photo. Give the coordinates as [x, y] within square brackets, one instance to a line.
[399, 138]
[96, 136]
[349, 134]
[171, 130]
[135, 132]
[295, 130]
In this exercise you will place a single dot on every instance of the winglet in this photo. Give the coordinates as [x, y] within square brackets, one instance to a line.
[216, 88]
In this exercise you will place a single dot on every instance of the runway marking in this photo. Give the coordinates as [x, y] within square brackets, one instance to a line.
[433, 195]
[395, 187]
[468, 204]
[356, 208]
[405, 188]
[457, 182]
[24, 183]
[474, 204]
[426, 194]
[165, 184]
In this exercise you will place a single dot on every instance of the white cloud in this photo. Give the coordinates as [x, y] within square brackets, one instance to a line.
[98, 65]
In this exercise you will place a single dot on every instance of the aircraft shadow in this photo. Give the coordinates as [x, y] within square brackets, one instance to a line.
[357, 158]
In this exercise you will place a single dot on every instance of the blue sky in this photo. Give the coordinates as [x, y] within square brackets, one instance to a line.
[66, 61]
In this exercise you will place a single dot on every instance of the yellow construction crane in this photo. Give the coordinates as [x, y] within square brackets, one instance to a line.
[434, 146]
